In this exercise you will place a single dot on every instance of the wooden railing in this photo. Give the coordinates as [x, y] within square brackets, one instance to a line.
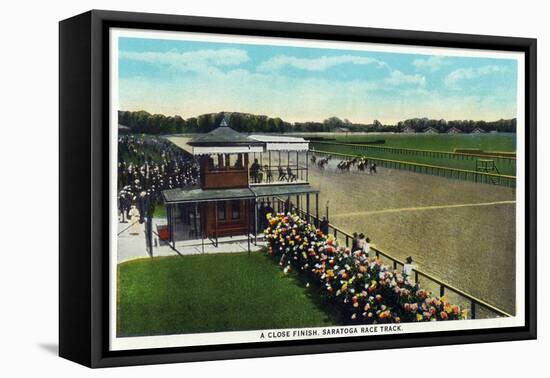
[444, 287]
[289, 174]
[453, 173]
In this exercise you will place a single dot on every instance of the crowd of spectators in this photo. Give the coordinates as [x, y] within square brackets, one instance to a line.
[147, 166]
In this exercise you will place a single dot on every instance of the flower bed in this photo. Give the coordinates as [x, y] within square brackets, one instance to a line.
[363, 289]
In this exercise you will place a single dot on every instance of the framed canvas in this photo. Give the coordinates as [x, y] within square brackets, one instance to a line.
[235, 188]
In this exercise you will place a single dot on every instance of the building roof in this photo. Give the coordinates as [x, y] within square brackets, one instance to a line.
[195, 194]
[181, 142]
[223, 135]
[224, 139]
[282, 190]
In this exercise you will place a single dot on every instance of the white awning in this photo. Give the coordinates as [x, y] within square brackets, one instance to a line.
[226, 150]
[282, 143]
[287, 146]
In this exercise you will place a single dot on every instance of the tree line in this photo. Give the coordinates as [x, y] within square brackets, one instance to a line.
[142, 122]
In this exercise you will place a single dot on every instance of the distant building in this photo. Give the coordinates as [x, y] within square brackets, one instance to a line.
[342, 130]
[431, 130]
[409, 130]
[454, 130]
[478, 130]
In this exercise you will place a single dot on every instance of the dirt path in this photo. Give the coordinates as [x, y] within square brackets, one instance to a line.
[422, 208]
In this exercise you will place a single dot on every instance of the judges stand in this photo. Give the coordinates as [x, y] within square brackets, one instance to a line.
[237, 173]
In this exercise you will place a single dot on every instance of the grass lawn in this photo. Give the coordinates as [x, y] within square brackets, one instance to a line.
[208, 293]
[442, 142]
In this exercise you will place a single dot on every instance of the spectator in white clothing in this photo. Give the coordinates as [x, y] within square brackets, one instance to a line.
[361, 242]
[366, 247]
[408, 267]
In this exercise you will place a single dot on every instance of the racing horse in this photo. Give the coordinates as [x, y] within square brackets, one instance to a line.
[344, 165]
[322, 162]
[363, 164]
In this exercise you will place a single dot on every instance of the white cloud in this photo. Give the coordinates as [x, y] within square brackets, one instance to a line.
[219, 83]
[398, 78]
[190, 61]
[307, 99]
[432, 63]
[461, 74]
[315, 64]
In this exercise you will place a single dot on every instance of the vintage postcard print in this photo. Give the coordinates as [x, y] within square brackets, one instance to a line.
[269, 189]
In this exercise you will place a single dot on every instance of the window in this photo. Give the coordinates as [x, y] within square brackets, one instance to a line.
[221, 210]
[215, 162]
[235, 210]
[239, 162]
[220, 162]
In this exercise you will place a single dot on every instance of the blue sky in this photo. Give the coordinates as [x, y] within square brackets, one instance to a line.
[190, 78]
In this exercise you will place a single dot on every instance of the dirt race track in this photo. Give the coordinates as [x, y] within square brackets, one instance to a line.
[461, 232]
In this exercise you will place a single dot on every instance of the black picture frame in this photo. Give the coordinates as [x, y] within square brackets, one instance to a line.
[83, 181]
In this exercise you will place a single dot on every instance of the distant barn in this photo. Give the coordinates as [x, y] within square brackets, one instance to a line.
[431, 130]
[478, 130]
[454, 130]
[409, 130]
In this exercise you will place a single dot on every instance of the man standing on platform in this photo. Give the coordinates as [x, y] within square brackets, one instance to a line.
[255, 170]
